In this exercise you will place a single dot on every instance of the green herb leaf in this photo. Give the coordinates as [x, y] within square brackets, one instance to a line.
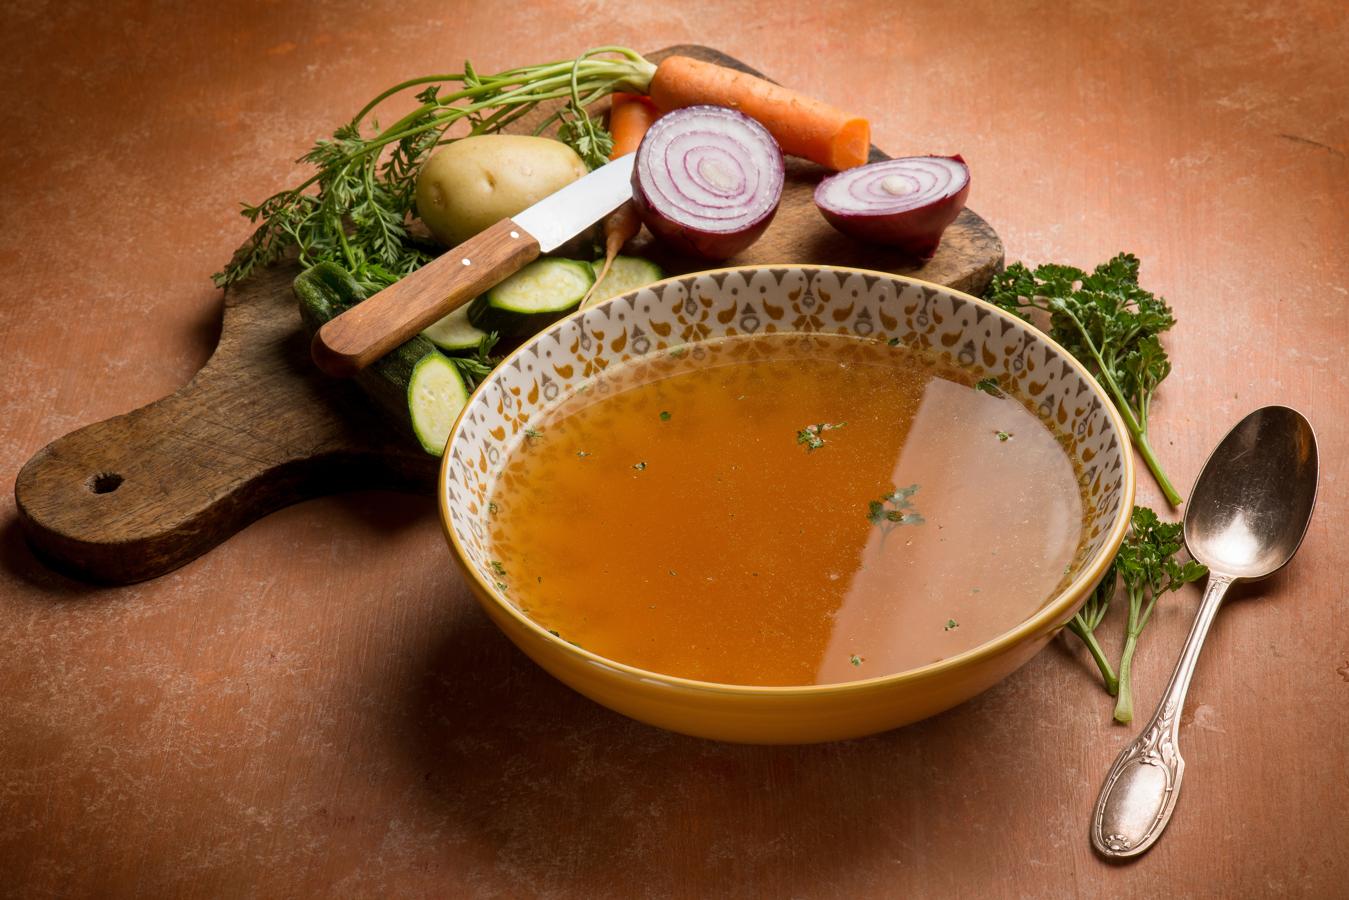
[473, 369]
[533, 433]
[989, 386]
[664, 415]
[591, 141]
[855, 659]
[1004, 436]
[639, 466]
[498, 568]
[1110, 324]
[895, 509]
[950, 625]
[1148, 566]
[812, 436]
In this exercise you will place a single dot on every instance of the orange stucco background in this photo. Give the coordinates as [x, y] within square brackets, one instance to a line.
[316, 707]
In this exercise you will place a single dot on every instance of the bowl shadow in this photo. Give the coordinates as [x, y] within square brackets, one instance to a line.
[562, 792]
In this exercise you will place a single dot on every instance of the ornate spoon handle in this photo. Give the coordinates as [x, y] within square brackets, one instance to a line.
[1140, 792]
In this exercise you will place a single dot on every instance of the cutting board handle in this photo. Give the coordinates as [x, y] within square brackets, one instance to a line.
[140, 494]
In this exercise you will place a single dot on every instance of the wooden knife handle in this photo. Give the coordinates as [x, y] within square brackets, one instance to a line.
[369, 330]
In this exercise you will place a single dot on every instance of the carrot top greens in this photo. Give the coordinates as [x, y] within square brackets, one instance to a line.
[353, 209]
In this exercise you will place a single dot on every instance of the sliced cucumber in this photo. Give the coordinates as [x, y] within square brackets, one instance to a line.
[455, 333]
[533, 298]
[435, 395]
[628, 273]
[327, 290]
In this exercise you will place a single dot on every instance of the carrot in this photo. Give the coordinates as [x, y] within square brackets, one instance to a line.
[802, 126]
[629, 118]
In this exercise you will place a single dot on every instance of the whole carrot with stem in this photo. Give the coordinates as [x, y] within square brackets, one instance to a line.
[629, 118]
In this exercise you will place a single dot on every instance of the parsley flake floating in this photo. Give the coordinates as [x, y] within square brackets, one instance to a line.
[989, 386]
[582, 453]
[498, 568]
[501, 587]
[855, 660]
[893, 342]
[639, 466]
[492, 508]
[533, 433]
[665, 415]
[895, 509]
[1004, 435]
[951, 624]
[812, 436]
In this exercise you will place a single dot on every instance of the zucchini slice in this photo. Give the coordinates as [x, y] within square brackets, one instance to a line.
[533, 298]
[628, 273]
[424, 412]
[455, 333]
[435, 395]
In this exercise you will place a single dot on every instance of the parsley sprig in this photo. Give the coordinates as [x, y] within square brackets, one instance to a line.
[355, 208]
[1148, 565]
[1111, 324]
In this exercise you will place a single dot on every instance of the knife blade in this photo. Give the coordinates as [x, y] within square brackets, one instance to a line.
[356, 338]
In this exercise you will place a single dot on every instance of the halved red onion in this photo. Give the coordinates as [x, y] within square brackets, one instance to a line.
[905, 203]
[707, 180]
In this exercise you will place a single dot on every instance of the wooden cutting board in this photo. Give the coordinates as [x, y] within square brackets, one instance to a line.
[259, 428]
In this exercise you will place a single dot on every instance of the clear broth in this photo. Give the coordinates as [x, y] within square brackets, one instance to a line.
[672, 515]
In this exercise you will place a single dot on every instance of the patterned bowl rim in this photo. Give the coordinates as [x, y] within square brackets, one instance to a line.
[1057, 607]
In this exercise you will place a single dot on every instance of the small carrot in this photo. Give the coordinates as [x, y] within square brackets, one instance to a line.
[629, 118]
[802, 126]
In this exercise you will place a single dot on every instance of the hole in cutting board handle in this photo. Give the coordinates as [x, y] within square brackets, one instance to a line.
[104, 482]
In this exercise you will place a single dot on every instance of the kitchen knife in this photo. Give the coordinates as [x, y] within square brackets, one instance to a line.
[350, 342]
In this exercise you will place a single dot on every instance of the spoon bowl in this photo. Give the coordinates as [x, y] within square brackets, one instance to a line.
[1252, 502]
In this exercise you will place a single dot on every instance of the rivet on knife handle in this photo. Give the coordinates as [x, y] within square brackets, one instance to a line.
[364, 333]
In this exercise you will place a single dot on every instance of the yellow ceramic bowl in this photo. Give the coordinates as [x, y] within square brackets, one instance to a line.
[761, 300]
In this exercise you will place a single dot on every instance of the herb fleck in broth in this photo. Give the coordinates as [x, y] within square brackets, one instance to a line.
[718, 543]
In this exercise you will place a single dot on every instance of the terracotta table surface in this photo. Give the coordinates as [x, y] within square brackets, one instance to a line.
[318, 707]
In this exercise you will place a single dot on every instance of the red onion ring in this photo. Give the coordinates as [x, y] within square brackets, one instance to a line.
[707, 180]
[905, 203]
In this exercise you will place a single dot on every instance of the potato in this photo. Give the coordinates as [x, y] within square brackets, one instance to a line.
[478, 181]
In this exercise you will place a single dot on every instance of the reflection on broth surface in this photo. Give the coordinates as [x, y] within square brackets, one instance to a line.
[786, 510]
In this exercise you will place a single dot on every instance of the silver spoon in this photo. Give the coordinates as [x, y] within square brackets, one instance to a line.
[1248, 512]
